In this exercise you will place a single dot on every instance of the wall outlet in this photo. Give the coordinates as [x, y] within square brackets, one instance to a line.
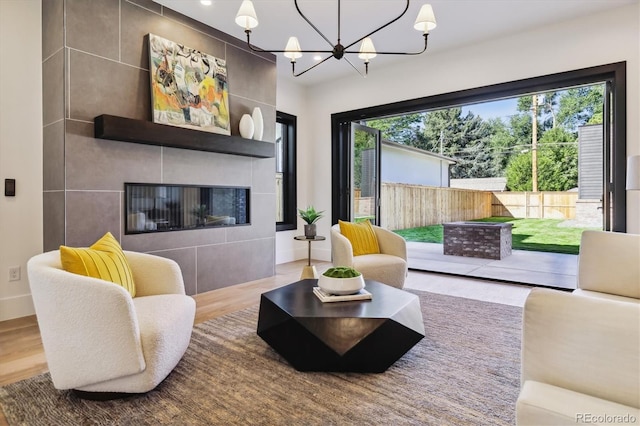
[14, 273]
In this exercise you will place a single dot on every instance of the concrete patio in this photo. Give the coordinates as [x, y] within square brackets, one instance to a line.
[523, 267]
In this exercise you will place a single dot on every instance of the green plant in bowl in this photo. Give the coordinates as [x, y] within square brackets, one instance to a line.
[341, 272]
[341, 280]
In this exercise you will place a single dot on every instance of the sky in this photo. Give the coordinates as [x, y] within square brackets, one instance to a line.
[494, 109]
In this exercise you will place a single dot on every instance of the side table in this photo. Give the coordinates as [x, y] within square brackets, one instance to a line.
[309, 271]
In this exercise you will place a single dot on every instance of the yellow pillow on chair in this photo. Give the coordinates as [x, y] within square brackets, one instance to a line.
[104, 260]
[362, 237]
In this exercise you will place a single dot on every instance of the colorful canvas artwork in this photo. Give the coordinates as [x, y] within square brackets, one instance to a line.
[189, 88]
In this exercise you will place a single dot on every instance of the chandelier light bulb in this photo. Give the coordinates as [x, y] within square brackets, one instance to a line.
[426, 20]
[292, 51]
[246, 16]
[367, 50]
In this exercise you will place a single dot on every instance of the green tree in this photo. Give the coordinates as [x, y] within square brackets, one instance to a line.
[505, 143]
[558, 161]
[487, 148]
[579, 106]
[404, 129]
[500, 143]
[547, 104]
[557, 164]
[465, 138]
[519, 173]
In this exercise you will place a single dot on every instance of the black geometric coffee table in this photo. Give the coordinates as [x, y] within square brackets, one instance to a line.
[358, 336]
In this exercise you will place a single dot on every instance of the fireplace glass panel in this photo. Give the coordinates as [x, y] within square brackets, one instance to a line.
[160, 207]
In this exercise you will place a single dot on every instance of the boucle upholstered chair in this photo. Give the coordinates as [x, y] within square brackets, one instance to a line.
[97, 339]
[388, 267]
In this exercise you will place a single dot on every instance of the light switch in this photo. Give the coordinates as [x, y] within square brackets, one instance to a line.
[9, 187]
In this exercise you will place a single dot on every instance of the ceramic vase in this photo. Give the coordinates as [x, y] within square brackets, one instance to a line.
[341, 285]
[258, 123]
[246, 126]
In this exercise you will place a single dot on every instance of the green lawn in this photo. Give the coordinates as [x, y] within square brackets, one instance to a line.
[527, 234]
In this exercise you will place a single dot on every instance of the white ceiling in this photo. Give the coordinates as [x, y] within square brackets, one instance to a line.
[460, 22]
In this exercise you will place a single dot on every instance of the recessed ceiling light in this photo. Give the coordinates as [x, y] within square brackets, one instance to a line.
[206, 2]
[317, 58]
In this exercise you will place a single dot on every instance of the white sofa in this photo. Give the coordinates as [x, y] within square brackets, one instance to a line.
[580, 360]
[388, 267]
[609, 266]
[581, 350]
[97, 338]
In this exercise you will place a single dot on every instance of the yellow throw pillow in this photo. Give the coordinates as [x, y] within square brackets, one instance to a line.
[104, 260]
[362, 237]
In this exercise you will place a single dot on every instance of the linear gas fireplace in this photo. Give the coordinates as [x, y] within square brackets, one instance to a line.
[163, 207]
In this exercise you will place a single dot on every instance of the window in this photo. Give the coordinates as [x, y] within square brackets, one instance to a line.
[614, 162]
[285, 172]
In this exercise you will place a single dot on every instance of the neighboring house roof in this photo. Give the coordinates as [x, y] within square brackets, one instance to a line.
[481, 184]
[418, 151]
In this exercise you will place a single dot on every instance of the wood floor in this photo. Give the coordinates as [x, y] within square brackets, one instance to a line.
[22, 356]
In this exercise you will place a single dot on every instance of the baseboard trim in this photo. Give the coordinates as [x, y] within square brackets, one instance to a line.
[16, 307]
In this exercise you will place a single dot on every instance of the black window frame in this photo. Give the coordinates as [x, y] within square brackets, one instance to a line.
[289, 173]
[613, 74]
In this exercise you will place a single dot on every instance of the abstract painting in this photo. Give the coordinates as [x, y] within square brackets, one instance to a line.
[189, 88]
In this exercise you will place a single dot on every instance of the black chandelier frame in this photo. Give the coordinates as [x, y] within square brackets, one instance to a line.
[338, 51]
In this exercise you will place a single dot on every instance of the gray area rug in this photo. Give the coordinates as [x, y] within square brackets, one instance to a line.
[465, 371]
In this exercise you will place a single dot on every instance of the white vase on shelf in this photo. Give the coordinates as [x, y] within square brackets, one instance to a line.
[258, 123]
[246, 126]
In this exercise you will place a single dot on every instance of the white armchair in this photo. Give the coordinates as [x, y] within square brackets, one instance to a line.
[97, 338]
[609, 266]
[388, 267]
[580, 360]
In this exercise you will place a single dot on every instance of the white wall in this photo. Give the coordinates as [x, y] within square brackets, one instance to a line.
[20, 149]
[583, 42]
[399, 165]
[291, 99]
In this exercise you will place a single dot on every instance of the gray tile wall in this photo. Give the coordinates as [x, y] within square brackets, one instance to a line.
[98, 64]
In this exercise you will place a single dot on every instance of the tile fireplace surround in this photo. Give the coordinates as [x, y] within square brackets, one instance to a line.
[95, 62]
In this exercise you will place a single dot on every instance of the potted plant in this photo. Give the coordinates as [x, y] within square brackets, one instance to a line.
[341, 280]
[311, 216]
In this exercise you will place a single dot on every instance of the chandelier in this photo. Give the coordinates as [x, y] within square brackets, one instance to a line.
[248, 20]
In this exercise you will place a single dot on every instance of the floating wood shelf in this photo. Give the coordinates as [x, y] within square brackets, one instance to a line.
[145, 132]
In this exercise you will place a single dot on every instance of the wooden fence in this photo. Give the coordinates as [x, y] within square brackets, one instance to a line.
[409, 206]
[539, 205]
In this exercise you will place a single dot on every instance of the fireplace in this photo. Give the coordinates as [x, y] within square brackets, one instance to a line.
[166, 207]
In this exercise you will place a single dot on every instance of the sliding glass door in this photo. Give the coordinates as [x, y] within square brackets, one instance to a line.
[613, 127]
[365, 174]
